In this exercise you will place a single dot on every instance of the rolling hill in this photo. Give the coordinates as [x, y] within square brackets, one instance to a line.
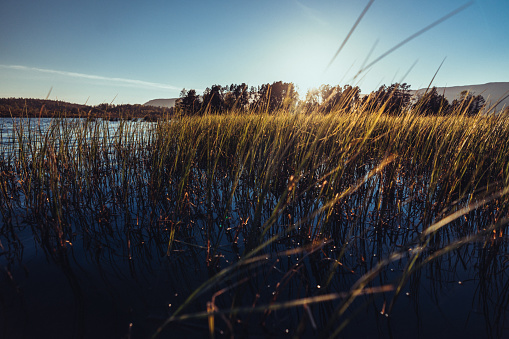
[495, 93]
[168, 103]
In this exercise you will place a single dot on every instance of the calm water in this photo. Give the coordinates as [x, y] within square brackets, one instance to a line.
[113, 274]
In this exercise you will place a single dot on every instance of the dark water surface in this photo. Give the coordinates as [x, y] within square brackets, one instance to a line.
[120, 269]
[99, 293]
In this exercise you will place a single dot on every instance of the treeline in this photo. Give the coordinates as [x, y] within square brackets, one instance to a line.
[16, 107]
[397, 98]
[36, 107]
[282, 96]
[433, 103]
[267, 98]
[221, 99]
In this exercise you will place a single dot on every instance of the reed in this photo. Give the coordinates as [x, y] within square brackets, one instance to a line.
[319, 204]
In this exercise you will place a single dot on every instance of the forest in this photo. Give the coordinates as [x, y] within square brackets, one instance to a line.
[282, 96]
[267, 98]
[20, 107]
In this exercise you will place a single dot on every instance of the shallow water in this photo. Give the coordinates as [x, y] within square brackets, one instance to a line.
[107, 269]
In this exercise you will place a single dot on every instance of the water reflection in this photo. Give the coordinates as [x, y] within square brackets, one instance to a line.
[105, 251]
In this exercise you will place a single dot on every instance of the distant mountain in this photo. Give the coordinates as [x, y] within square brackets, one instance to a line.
[492, 93]
[161, 103]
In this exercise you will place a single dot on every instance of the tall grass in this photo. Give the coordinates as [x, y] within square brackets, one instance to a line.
[319, 205]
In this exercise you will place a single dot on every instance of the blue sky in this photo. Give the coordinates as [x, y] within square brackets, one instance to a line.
[134, 51]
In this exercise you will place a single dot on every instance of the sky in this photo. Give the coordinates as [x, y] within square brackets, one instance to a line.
[129, 52]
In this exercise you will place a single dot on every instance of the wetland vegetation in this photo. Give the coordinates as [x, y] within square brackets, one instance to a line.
[358, 221]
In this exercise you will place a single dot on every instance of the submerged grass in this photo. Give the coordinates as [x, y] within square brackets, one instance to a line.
[318, 204]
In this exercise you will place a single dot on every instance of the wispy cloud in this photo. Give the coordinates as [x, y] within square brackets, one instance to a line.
[312, 13]
[123, 81]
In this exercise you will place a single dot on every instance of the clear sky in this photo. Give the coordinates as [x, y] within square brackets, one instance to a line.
[133, 51]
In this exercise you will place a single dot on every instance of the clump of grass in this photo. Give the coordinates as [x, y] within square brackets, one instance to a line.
[318, 204]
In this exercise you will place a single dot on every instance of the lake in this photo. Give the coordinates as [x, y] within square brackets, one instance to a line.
[102, 237]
